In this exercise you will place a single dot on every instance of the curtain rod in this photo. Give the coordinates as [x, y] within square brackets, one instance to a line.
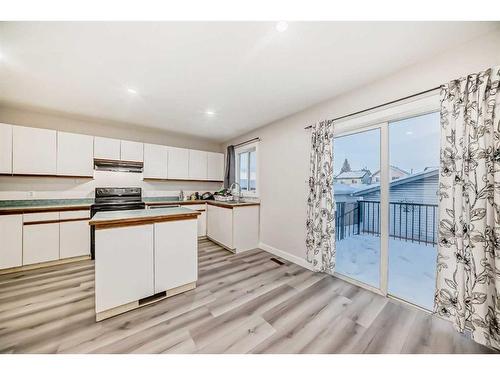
[249, 141]
[382, 105]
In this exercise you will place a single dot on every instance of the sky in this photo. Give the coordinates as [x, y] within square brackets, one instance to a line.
[413, 145]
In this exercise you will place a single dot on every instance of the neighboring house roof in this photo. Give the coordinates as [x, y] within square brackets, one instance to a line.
[352, 174]
[393, 167]
[403, 180]
[343, 189]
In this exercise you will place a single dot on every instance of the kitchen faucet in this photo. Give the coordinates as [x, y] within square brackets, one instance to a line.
[239, 190]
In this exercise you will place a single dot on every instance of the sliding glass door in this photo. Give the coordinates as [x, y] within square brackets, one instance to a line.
[385, 185]
[357, 159]
[414, 161]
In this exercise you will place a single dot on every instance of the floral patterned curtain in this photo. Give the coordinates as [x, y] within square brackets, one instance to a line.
[468, 268]
[320, 223]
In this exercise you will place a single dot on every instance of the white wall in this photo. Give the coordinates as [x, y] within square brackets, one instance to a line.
[39, 118]
[284, 148]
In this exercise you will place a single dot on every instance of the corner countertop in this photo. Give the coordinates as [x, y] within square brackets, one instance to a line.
[108, 219]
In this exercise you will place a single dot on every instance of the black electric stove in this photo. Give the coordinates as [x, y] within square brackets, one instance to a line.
[114, 199]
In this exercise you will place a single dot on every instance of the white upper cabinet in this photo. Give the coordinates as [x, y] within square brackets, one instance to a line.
[132, 151]
[75, 154]
[34, 151]
[197, 165]
[178, 163]
[106, 148]
[215, 169]
[5, 148]
[155, 161]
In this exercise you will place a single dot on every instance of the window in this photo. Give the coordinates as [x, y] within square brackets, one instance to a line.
[246, 169]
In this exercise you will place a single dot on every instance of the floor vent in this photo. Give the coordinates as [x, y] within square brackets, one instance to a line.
[277, 261]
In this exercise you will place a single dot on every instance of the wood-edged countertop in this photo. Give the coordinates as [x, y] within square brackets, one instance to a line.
[51, 205]
[113, 219]
[210, 202]
[43, 205]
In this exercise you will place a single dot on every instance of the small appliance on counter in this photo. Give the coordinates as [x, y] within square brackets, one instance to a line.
[194, 197]
[207, 196]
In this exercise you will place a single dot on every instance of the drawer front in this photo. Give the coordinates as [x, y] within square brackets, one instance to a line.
[196, 206]
[40, 216]
[81, 214]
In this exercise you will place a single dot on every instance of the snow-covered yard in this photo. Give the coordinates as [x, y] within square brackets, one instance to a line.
[412, 266]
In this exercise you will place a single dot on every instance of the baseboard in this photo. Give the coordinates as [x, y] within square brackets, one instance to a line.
[282, 254]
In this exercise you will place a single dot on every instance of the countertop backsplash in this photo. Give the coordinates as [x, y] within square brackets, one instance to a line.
[33, 188]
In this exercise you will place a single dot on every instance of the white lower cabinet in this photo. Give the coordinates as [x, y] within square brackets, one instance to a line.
[235, 228]
[220, 225]
[74, 235]
[124, 265]
[202, 224]
[11, 241]
[40, 243]
[176, 252]
[202, 218]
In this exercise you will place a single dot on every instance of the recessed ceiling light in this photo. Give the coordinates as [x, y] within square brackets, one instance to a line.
[131, 91]
[209, 112]
[281, 26]
[409, 132]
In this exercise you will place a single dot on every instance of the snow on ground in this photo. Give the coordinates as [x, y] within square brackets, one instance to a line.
[412, 266]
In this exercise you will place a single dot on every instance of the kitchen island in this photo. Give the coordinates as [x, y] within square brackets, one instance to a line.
[142, 256]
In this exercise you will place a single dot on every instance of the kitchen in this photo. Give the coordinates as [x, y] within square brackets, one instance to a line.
[175, 187]
[62, 226]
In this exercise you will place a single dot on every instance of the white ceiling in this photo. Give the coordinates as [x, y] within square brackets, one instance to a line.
[247, 72]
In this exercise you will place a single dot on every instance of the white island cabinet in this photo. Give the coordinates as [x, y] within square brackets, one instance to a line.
[142, 256]
[123, 266]
[175, 254]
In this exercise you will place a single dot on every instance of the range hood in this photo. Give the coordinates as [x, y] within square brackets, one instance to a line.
[118, 165]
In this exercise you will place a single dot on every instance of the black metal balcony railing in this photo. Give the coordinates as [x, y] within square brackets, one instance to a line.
[414, 222]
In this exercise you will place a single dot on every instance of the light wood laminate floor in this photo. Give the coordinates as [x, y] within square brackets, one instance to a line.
[244, 303]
